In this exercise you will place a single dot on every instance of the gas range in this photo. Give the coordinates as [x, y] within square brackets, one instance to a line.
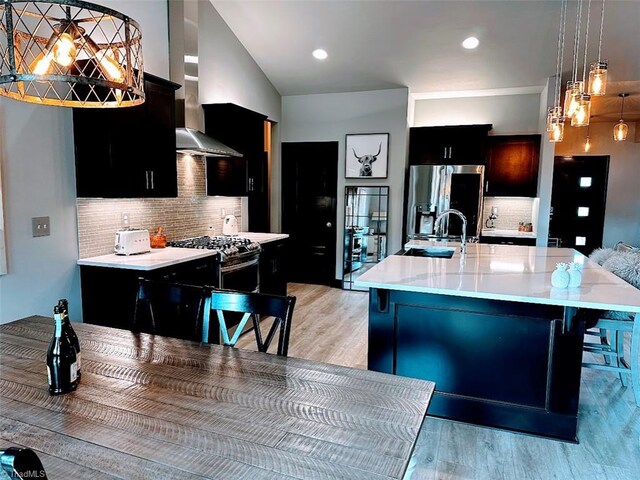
[228, 247]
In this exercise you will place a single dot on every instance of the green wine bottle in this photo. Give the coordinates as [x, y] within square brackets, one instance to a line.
[62, 367]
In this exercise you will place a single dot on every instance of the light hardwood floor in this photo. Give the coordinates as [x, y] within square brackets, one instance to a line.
[330, 325]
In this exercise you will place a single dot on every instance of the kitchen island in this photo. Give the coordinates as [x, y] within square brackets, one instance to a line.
[503, 347]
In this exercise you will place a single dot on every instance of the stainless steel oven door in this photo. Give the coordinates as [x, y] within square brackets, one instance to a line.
[243, 276]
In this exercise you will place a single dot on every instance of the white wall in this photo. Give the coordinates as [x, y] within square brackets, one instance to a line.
[36, 151]
[329, 117]
[228, 74]
[509, 114]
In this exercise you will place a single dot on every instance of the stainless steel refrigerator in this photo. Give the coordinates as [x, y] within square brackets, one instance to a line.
[433, 189]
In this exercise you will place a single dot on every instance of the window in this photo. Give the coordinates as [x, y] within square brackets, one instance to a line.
[585, 182]
[583, 211]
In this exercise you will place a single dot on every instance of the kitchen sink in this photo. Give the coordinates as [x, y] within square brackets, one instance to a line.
[432, 252]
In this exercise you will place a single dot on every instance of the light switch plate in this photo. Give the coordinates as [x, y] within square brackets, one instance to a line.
[40, 226]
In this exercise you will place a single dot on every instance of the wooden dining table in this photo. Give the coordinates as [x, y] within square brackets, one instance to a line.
[163, 408]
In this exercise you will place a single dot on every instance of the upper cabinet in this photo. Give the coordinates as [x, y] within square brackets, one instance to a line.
[512, 166]
[449, 145]
[243, 130]
[128, 152]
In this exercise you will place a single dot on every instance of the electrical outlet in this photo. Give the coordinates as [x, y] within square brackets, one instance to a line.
[125, 220]
[40, 226]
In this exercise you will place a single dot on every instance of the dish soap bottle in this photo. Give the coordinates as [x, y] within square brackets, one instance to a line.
[62, 368]
[560, 276]
[575, 275]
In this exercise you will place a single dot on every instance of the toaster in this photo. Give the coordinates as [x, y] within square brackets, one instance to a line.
[132, 241]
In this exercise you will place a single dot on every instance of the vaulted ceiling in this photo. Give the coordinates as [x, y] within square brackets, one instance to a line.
[387, 44]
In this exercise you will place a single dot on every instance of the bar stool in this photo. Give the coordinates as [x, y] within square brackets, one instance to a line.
[171, 309]
[611, 328]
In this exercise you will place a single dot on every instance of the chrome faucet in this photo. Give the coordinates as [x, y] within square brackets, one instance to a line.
[436, 226]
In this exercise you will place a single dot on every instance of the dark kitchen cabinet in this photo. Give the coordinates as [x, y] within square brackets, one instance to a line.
[227, 176]
[109, 294]
[243, 130]
[512, 166]
[131, 151]
[448, 145]
[508, 240]
[273, 267]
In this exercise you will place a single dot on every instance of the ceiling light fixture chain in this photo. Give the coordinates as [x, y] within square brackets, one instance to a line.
[601, 29]
[586, 42]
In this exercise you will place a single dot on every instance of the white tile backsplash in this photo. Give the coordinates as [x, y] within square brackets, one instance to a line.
[511, 211]
[189, 215]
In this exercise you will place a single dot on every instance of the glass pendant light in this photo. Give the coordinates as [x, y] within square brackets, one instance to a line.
[598, 70]
[556, 134]
[574, 88]
[598, 78]
[621, 129]
[554, 112]
[582, 111]
[587, 141]
[555, 119]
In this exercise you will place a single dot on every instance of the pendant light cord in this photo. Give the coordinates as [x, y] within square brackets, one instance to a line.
[576, 46]
[601, 29]
[560, 56]
[622, 110]
[586, 44]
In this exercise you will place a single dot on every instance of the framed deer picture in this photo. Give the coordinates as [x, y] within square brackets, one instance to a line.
[366, 155]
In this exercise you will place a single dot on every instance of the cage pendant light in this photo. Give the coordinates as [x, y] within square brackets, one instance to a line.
[69, 53]
[598, 70]
[621, 129]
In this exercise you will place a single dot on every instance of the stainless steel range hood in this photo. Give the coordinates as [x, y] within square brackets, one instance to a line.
[193, 142]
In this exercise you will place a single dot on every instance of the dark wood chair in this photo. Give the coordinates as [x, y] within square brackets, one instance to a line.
[171, 309]
[610, 329]
[253, 306]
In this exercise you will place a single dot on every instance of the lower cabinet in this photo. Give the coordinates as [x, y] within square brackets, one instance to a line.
[273, 268]
[508, 240]
[109, 294]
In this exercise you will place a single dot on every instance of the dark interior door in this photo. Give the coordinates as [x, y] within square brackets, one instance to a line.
[309, 193]
[578, 201]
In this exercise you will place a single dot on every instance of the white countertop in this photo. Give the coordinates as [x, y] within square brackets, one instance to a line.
[165, 257]
[263, 237]
[504, 272]
[496, 232]
[156, 258]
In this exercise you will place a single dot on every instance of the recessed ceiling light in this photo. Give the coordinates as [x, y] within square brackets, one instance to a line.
[470, 43]
[320, 54]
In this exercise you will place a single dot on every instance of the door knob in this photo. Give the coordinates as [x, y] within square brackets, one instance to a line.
[328, 224]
